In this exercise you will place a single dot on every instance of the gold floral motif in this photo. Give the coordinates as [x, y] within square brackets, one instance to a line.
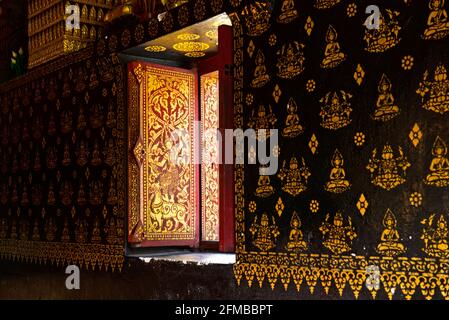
[199, 9]
[167, 22]
[291, 60]
[415, 135]
[359, 75]
[264, 234]
[437, 22]
[362, 205]
[385, 105]
[155, 49]
[310, 85]
[277, 93]
[439, 167]
[337, 182]
[336, 110]
[332, 53]
[288, 12]
[313, 144]
[251, 48]
[126, 38]
[434, 94]
[314, 206]
[309, 26]
[280, 207]
[359, 139]
[338, 237]
[272, 40]
[407, 62]
[416, 199]
[252, 206]
[183, 16]
[387, 36]
[295, 177]
[351, 10]
[216, 5]
[296, 243]
[195, 54]
[153, 27]
[390, 245]
[388, 171]
[436, 237]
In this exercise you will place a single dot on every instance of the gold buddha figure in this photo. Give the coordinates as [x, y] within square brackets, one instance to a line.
[257, 18]
[261, 77]
[386, 36]
[336, 111]
[437, 22]
[262, 121]
[264, 234]
[389, 245]
[436, 237]
[293, 128]
[291, 60]
[385, 107]
[294, 178]
[296, 243]
[439, 167]
[288, 12]
[338, 237]
[385, 171]
[337, 182]
[264, 189]
[332, 54]
[435, 92]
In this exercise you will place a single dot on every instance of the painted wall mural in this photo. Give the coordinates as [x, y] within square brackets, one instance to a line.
[358, 208]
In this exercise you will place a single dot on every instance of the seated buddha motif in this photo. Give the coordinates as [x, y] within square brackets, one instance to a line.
[436, 238]
[288, 12]
[336, 110]
[337, 236]
[292, 127]
[296, 243]
[386, 36]
[337, 182]
[439, 167]
[385, 106]
[332, 54]
[437, 22]
[264, 187]
[257, 17]
[264, 234]
[435, 94]
[291, 60]
[294, 177]
[263, 122]
[390, 245]
[261, 76]
[388, 171]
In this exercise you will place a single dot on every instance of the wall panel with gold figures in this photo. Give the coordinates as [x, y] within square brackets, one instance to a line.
[364, 169]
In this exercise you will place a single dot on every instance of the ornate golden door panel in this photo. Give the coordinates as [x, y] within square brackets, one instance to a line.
[163, 177]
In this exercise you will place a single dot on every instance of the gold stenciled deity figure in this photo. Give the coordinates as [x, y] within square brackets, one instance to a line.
[437, 22]
[386, 36]
[388, 171]
[436, 237]
[262, 121]
[264, 234]
[390, 245]
[264, 187]
[261, 76]
[385, 106]
[325, 4]
[291, 60]
[257, 18]
[337, 236]
[439, 167]
[294, 177]
[292, 127]
[296, 243]
[337, 182]
[435, 94]
[332, 54]
[336, 111]
[288, 12]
